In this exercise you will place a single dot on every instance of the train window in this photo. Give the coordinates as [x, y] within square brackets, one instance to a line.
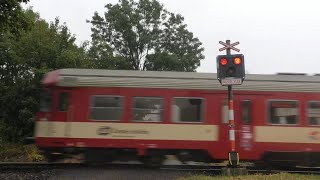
[109, 108]
[283, 112]
[225, 112]
[45, 100]
[63, 101]
[314, 112]
[149, 109]
[187, 110]
[246, 112]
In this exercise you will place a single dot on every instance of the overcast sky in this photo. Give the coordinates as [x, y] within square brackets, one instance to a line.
[274, 35]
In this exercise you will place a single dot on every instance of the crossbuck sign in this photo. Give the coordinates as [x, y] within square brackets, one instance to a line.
[229, 46]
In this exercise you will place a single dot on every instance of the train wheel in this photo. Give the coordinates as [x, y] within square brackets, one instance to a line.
[154, 161]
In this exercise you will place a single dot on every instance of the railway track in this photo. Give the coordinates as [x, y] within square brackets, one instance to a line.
[204, 169]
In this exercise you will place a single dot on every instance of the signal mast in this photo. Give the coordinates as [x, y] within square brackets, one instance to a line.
[231, 71]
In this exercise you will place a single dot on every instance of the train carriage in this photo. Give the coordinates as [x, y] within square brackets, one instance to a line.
[145, 115]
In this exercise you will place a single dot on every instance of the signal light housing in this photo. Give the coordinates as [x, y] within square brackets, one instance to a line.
[223, 61]
[237, 60]
[230, 67]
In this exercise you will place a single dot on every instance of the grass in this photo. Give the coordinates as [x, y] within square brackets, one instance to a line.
[10, 152]
[280, 176]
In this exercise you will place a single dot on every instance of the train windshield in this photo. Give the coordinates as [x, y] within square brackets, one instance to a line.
[45, 100]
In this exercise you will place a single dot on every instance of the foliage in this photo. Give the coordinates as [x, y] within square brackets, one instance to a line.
[132, 35]
[12, 17]
[23, 62]
[10, 152]
[143, 36]
[33, 154]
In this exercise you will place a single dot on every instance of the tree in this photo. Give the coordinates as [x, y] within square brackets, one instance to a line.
[23, 62]
[143, 36]
[12, 17]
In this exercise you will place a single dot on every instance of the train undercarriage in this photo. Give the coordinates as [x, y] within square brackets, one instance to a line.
[155, 157]
[151, 158]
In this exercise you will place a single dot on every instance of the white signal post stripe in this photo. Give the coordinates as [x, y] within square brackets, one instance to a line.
[231, 115]
[232, 137]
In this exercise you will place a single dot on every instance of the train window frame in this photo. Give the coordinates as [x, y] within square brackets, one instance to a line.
[49, 106]
[202, 112]
[307, 113]
[298, 119]
[122, 107]
[133, 108]
[249, 113]
[63, 101]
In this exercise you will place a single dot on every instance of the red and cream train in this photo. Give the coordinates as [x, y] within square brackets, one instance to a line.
[118, 114]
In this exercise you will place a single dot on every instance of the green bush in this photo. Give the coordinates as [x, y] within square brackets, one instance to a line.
[19, 153]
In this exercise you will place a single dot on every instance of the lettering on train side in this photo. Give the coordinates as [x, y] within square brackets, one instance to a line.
[106, 130]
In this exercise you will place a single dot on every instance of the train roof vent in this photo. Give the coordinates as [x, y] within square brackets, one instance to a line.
[296, 74]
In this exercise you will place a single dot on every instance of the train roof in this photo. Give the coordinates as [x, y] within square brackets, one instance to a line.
[177, 80]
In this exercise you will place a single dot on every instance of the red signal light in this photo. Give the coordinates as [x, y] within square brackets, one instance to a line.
[223, 61]
[237, 60]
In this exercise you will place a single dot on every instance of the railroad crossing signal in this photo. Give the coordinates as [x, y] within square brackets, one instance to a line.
[230, 69]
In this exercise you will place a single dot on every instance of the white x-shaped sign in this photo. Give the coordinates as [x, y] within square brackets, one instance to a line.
[229, 46]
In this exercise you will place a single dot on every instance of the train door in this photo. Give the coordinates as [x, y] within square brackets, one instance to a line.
[62, 113]
[44, 115]
[243, 130]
